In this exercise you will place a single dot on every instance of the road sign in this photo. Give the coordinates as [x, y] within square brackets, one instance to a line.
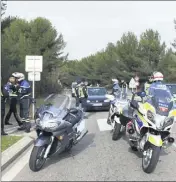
[34, 76]
[132, 83]
[34, 63]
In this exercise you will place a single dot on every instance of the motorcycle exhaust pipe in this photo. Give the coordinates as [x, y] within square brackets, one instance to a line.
[171, 140]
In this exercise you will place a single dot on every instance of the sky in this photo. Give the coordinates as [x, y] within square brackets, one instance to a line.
[88, 26]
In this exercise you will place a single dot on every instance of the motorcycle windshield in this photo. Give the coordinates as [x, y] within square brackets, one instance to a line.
[55, 112]
[162, 101]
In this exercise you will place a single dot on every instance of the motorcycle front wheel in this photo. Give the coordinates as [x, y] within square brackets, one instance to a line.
[116, 131]
[150, 158]
[37, 159]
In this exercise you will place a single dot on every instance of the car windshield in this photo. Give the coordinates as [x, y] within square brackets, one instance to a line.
[172, 88]
[96, 91]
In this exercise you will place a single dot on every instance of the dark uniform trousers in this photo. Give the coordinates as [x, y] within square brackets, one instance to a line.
[13, 109]
[24, 108]
[2, 112]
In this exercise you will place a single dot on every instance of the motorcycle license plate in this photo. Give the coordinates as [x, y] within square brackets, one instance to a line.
[97, 104]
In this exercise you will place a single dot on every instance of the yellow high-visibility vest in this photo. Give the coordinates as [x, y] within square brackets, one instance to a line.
[81, 94]
[147, 86]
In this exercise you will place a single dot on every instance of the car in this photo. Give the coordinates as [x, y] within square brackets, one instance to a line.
[97, 99]
[73, 89]
[172, 87]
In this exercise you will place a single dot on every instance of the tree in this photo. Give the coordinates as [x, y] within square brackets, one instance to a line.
[37, 37]
[127, 49]
[3, 7]
[151, 49]
[168, 66]
[174, 43]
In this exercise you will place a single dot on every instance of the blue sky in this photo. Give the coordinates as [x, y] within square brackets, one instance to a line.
[88, 26]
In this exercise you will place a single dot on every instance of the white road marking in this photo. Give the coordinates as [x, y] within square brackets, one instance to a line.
[103, 126]
[17, 167]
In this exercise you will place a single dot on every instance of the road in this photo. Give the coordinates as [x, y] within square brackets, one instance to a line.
[96, 158]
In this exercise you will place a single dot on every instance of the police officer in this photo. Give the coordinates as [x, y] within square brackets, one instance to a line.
[147, 85]
[77, 93]
[24, 92]
[82, 93]
[123, 86]
[4, 95]
[12, 90]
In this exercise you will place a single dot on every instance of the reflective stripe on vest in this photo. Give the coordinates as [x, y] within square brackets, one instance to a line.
[81, 94]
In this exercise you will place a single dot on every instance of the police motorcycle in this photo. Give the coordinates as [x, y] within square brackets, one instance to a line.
[150, 128]
[114, 117]
[58, 130]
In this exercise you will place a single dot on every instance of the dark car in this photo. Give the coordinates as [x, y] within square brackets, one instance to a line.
[172, 87]
[96, 99]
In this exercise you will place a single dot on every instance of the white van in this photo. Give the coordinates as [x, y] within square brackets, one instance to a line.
[73, 89]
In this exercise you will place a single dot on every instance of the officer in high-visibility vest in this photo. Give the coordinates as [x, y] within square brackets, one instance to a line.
[4, 95]
[12, 90]
[147, 85]
[82, 93]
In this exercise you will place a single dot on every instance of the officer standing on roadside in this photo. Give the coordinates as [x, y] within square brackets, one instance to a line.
[124, 88]
[4, 95]
[12, 90]
[77, 93]
[24, 92]
[83, 94]
[147, 85]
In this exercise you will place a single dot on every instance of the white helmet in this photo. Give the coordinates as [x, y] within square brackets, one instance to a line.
[19, 76]
[115, 80]
[157, 76]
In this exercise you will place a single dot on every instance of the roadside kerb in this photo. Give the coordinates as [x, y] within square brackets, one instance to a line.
[10, 154]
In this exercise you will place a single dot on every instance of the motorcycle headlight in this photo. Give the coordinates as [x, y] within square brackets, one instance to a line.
[49, 124]
[107, 100]
[168, 121]
[150, 116]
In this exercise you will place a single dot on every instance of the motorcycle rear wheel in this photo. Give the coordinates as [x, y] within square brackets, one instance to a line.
[37, 154]
[150, 161]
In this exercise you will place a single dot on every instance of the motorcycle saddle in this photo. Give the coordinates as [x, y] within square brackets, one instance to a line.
[73, 110]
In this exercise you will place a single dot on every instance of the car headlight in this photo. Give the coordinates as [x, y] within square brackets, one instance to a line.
[88, 100]
[107, 100]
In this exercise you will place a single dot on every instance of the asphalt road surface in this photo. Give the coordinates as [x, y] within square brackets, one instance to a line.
[96, 158]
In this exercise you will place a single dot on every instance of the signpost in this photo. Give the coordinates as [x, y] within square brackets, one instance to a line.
[33, 65]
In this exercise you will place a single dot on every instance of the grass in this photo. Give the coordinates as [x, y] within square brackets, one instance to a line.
[7, 141]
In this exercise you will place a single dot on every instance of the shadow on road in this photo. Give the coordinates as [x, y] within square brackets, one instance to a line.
[81, 146]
